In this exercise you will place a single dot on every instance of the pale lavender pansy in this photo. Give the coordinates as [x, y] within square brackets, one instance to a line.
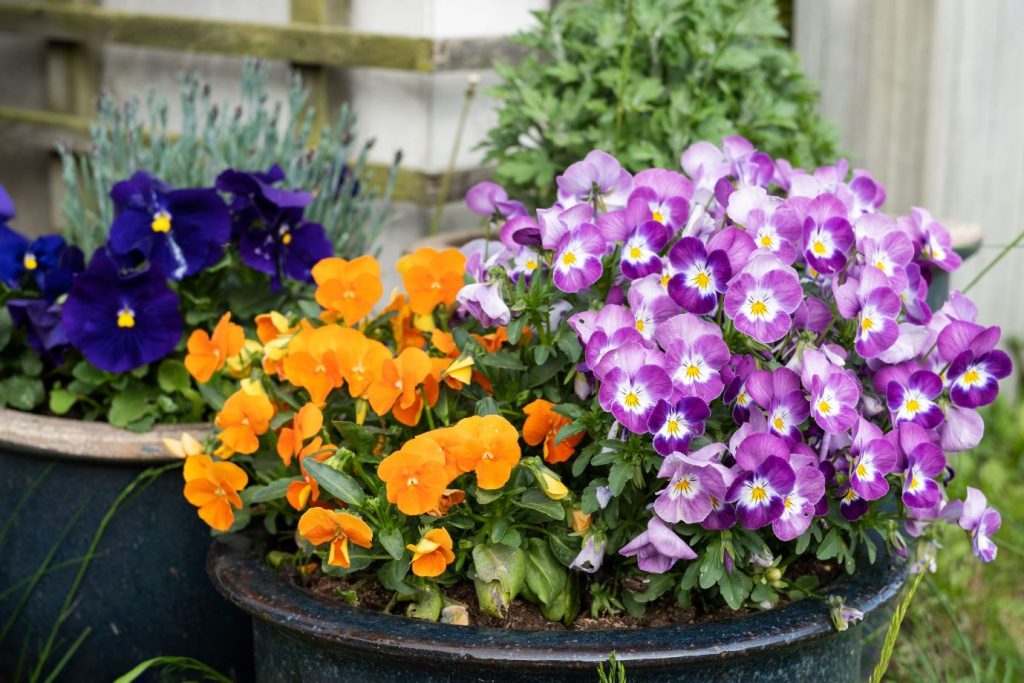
[491, 200]
[890, 255]
[640, 253]
[666, 193]
[555, 223]
[761, 299]
[598, 179]
[962, 429]
[924, 463]
[483, 301]
[633, 387]
[577, 260]
[694, 354]
[650, 305]
[690, 494]
[658, 548]
[828, 235]
[591, 556]
[834, 392]
[981, 521]
[778, 392]
[799, 504]
[874, 457]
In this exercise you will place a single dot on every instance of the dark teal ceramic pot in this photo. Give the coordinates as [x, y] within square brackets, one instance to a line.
[300, 638]
[146, 594]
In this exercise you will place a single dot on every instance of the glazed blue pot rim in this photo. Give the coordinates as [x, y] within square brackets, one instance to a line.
[240, 572]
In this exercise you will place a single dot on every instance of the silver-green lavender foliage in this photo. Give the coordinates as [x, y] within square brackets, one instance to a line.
[127, 137]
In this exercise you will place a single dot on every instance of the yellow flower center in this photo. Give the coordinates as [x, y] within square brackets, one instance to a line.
[693, 371]
[161, 221]
[702, 280]
[758, 494]
[818, 248]
[683, 486]
[862, 471]
[635, 253]
[824, 408]
[30, 261]
[766, 241]
[286, 239]
[742, 398]
[972, 377]
[640, 325]
[880, 265]
[758, 308]
[568, 258]
[658, 217]
[778, 424]
[672, 427]
[631, 400]
[126, 318]
[412, 481]
[531, 265]
[867, 324]
[788, 503]
[487, 456]
[913, 406]
[665, 277]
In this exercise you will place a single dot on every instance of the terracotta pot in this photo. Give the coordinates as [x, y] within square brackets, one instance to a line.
[145, 593]
[300, 638]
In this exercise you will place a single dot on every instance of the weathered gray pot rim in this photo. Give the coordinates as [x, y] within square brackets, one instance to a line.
[66, 438]
[239, 571]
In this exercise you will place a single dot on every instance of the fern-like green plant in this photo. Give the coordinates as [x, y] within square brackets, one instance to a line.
[642, 79]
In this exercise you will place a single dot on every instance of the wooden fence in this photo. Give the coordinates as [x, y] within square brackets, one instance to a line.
[315, 40]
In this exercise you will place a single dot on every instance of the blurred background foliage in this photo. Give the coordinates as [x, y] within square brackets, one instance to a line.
[967, 620]
[643, 79]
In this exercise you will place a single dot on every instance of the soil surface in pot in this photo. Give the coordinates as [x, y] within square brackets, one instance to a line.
[367, 593]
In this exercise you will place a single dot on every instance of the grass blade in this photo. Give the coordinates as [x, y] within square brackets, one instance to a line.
[175, 664]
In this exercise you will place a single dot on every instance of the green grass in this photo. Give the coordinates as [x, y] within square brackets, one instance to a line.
[966, 622]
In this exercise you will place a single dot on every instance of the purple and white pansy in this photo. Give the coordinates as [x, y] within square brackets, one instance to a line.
[763, 329]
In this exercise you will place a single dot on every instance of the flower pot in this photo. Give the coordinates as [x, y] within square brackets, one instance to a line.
[300, 638]
[145, 593]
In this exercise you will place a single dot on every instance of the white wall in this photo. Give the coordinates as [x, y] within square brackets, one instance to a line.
[929, 96]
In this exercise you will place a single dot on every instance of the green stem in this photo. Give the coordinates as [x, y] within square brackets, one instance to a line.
[991, 264]
[894, 630]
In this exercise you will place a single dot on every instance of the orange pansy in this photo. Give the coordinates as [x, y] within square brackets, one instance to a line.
[403, 328]
[495, 449]
[213, 486]
[319, 526]
[415, 475]
[495, 340]
[456, 444]
[432, 277]
[306, 423]
[244, 417]
[349, 289]
[542, 426]
[301, 492]
[395, 387]
[312, 361]
[207, 354]
[432, 554]
[362, 360]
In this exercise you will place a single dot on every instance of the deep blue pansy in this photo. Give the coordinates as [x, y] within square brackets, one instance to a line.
[121, 322]
[41, 321]
[273, 237]
[182, 231]
[48, 262]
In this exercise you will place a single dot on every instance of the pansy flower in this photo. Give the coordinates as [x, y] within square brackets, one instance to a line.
[938, 247]
[834, 392]
[244, 416]
[432, 554]
[542, 426]
[658, 548]
[633, 387]
[760, 490]
[577, 259]
[889, 255]
[598, 179]
[667, 194]
[274, 237]
[48, 260]
[799, 504]
[414, 475]
[213, 486]
[491, 200]
[915, 400]
[493, 450]
[650, 305]
[640, 253]
[694, 354]
[121, 323]
[347, 289]
[432, 277]
[975, 365]
[761, 299]
[675, 424]
[828, 235]
[778, 392]
[690, 494]
[208, 353]
[874, 457]
[982, 522]
[591, 556]
[320, 525]
[699, 276]
[44, 330]
[851, 505]
[183, 231]
[483, 301]
[924, 463]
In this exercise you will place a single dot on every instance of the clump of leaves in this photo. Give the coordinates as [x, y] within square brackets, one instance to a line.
[643, 79]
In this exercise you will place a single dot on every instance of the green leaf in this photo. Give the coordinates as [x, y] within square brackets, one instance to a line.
[61, 401]
[22, 393]
[487, 406]
[428, 602]
[6, 327]
[545, 576]
[501, 563]
[172, 376]
[536, 500]
[275, 490]
[392, 542]
[656, 586]
[213, 398]
[570, 346]
[620, 473]
[735, 588]
[338, 484]
[128, 406]
[515, 328]
[358, 438]
[392, 576]
[571, 429]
